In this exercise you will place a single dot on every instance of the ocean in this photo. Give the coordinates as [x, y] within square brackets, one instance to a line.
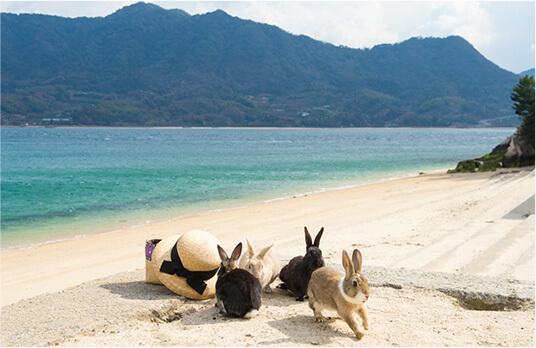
[62, 183]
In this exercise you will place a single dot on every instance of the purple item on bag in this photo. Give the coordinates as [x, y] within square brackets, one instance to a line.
[150, 244]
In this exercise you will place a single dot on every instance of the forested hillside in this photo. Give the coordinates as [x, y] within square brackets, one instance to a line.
[147, 66]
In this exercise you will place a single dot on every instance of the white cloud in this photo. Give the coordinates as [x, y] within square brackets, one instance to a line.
[65, 8]
[466, 19]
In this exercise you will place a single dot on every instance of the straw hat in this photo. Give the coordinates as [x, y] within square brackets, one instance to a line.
[187, 264]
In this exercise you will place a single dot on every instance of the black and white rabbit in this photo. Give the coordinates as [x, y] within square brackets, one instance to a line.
[238, 293]
[297, 273]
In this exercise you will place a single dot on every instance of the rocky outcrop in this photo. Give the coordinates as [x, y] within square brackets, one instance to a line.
[519, 153]
[512, 152]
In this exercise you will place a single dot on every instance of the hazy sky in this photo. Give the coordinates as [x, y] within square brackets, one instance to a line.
[503, 31]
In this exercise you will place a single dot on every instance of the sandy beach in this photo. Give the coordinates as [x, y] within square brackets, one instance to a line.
[437, 249]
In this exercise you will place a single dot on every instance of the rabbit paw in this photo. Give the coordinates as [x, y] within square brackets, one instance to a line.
[282, 286]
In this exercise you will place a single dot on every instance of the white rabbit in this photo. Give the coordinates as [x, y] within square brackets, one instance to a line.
[265, 265]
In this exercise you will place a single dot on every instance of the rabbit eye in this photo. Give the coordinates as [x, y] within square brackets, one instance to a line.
[355, 283]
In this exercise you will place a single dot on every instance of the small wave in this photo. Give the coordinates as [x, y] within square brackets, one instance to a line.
[36, 244]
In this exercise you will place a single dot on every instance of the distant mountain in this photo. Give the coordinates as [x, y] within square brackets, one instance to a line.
[529, 72]
[147, 66]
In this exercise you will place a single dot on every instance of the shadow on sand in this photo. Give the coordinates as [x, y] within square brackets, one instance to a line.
[140, 290]
[316, 333]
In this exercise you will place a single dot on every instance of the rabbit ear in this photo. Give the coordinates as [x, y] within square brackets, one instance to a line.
[251, 251]
[308, 239]
[236, 252]
[347, 264]
[317, 238]
[358, 260]
[223, 254]
[265, 251]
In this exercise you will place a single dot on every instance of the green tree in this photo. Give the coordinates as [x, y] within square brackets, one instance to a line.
[523, 98]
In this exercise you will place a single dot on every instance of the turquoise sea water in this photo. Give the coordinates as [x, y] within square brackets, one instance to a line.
[60, 183]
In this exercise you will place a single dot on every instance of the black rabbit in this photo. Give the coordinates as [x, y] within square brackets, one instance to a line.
[297, 273]
[238, 293]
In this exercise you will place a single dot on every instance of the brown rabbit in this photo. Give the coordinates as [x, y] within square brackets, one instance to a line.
[346, 294]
